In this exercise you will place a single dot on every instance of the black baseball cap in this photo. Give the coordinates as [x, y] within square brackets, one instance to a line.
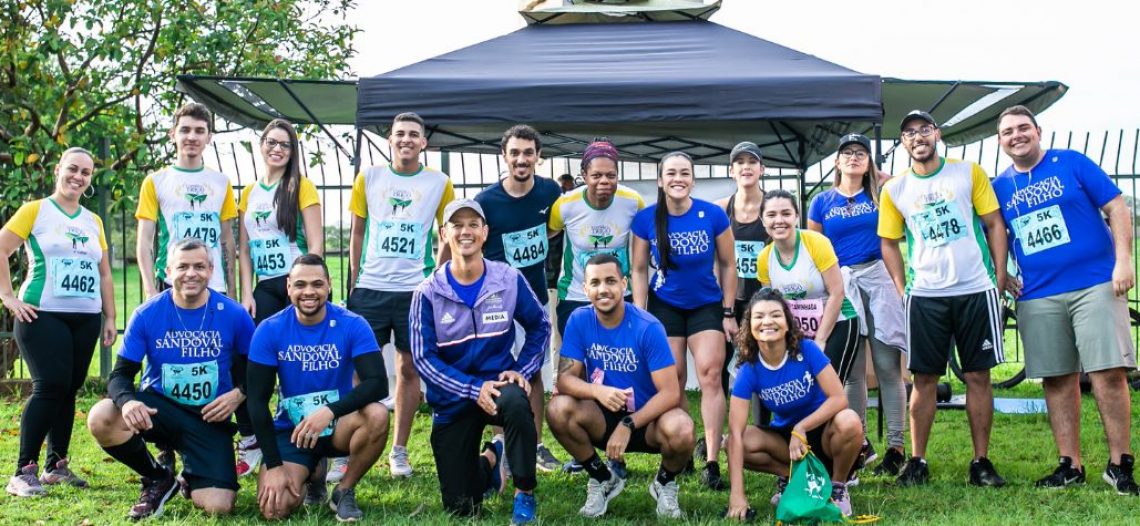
[746, 147]
[917, 114]
[854, 138]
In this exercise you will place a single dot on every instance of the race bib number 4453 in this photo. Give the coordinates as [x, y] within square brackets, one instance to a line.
[1041, 230]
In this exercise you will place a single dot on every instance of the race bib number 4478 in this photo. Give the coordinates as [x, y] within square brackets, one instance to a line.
[940, 224]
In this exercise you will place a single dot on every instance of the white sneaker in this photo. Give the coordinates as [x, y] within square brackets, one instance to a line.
[666, 497]
[389, 402]
[599, 494]
[337, 468]
[248, 456]
[398, 462]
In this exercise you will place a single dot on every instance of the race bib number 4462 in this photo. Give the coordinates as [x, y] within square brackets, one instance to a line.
[75, 277]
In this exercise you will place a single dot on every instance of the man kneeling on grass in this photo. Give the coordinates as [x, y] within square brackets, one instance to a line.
[314, 347]
[632, 399]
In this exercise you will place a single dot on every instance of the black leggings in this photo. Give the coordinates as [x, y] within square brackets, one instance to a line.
[269, 298]
[58, 347]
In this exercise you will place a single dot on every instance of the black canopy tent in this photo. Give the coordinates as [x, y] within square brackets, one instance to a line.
[652, 87]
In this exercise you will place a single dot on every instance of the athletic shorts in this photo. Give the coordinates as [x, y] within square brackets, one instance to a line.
[304, 456]
[387, 313]
[637, 441]
[814, 438]
[563, 310]
[971, 322]
[843, 346]
[207, 449]
[1083, 330]
[686, 322]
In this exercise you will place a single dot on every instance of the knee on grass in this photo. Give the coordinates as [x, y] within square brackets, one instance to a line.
[215, 502]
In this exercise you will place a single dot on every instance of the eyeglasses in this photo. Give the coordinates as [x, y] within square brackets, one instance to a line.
[271, 144]
[858, 154]
[924, 131]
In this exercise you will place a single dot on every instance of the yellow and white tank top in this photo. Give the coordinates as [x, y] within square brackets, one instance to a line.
[591, 231]
[270, 250]
[64, 252]
[398, 210]
[801, 281]
[188, 203]
[939, 214]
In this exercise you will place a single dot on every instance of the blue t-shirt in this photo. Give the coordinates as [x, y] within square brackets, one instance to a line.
[314, 362]
[851, 223]
[188, 352]
[467, 293]
[1057, 234]
[517, 229]
[789, 391]
[692, 237]
[623, 357]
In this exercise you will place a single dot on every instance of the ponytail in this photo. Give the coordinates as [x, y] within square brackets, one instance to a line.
[661, 218]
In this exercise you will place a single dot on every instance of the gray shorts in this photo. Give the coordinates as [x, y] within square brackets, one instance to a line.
[1084, 330]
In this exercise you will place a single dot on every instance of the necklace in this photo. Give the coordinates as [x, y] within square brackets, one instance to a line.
[205, 310]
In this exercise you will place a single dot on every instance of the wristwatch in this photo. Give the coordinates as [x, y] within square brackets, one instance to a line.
[628, 422]
[729, 312]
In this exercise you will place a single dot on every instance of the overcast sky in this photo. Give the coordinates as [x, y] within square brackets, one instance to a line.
[1091, 46]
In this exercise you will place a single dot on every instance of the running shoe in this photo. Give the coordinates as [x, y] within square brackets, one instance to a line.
[248, 456]
[155, 494]
[618, 468]
[61, 474]
[398, 462]
[167, 459]
[841, 497]
[546, 461]
[524, 510]
[983, 473]
[781, 485]
[1119, 476]
[914, 473]
[316, 494]
[25, 483]
[893, 461]
[1064, 475]
[573, 466]
[343, 502]
[700, 450]
[599, 494]
[498, 480]
[666, 497]
[710, 477]
[337, 468]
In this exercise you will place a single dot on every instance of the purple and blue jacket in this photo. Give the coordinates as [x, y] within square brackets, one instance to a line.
[456, 348]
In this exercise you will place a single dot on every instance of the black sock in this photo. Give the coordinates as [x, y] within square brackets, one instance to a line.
[136, 456]
[665, 476]
[713, 466]
[596, 468]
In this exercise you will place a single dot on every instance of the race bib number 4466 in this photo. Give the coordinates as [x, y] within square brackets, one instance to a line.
[1041, 230]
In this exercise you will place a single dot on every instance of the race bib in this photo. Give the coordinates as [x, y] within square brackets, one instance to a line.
[76, 277]
[396, 239]
[270, 256]
[205, 226]
[1041, 230]
[300, 406]
[808, 314]
[525, 247]
[940, 224]
[190, 383]
[620, 253]
[746, 255]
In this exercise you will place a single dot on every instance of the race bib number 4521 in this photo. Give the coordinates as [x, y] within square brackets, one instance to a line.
[397, 239]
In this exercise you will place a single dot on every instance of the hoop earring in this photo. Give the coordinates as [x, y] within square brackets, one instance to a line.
[91, 189]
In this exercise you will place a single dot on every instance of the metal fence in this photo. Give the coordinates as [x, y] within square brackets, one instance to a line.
[332, 172]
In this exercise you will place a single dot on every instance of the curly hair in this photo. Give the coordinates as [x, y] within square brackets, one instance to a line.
[746, 343]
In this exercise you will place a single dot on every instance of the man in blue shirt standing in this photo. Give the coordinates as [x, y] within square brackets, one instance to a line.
[1072, 298]
[314, 348]
[194, 342]
[462, 331]
[618, 390]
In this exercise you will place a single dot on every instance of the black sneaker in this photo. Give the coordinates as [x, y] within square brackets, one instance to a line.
[1119, 476]
[155, 494]
[1064, 475]
[710, 477]
[700, 449]
[316, 493]
[914, 473]
[893, 461]
[343, 502]
[983, 473]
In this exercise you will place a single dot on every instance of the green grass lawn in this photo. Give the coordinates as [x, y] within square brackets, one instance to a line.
[1022, 450]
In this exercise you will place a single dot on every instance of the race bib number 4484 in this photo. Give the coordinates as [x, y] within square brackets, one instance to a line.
[525, 247]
